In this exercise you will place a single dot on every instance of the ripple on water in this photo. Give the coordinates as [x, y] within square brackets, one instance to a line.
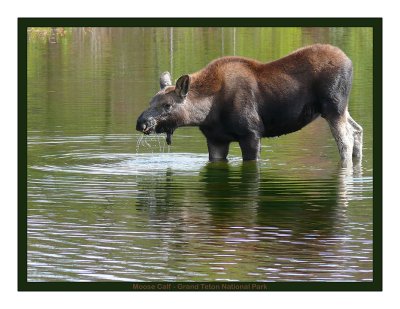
[89, 221]
[128, 164]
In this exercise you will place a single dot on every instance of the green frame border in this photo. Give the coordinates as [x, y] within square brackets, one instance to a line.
[24, 23]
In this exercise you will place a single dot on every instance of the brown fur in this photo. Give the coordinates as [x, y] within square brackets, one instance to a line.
[241, 99]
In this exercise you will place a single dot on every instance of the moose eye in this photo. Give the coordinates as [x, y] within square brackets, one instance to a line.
[167, 107]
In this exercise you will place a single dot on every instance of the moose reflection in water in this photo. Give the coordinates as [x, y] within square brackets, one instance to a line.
[280, 218]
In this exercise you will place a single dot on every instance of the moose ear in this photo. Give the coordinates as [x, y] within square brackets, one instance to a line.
[165, 80]
[182, 86]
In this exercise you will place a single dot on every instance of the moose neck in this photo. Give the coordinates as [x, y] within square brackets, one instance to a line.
[200, 97]
[197, 109]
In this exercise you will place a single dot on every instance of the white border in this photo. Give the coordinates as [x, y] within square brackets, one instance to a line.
[200, 8]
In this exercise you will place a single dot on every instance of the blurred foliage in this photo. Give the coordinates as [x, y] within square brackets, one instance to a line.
[100, 79]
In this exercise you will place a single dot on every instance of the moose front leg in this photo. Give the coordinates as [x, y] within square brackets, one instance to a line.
[251, 148]
[217, 151]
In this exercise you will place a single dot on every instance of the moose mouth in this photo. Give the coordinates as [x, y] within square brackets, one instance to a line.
[160, 129]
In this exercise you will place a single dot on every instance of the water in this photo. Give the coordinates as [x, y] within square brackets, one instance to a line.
[107, 204]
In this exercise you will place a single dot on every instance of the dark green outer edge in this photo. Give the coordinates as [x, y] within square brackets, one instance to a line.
[200, 22]
[375, 23]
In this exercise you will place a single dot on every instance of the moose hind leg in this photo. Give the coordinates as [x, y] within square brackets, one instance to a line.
[357, 135]
[343, 134]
